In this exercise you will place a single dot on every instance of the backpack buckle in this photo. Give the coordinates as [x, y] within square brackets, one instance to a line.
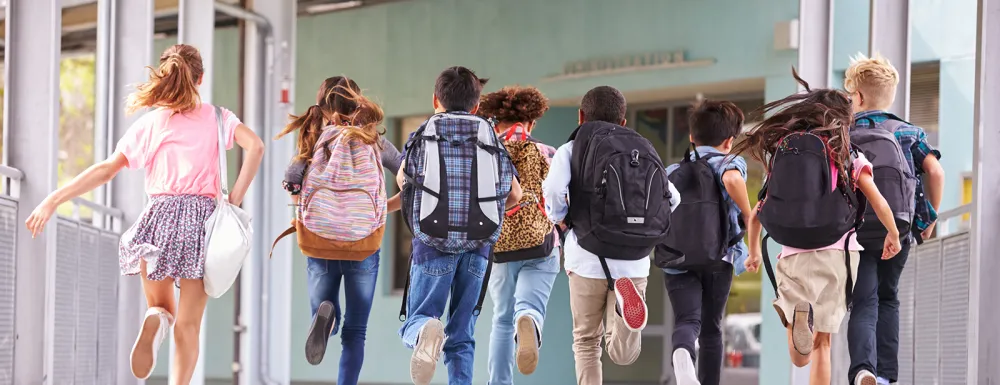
[635, 158]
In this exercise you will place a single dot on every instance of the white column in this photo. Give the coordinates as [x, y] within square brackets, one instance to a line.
[984, 337]
[889, 34]
[267, 284]
[131, 47]
[196, 27]
[31, 119]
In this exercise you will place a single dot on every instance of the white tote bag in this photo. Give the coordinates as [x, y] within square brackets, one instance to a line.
[227, 232]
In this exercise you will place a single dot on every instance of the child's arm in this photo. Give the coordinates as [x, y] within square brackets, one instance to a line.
[881, 207]
[737, 189]
[934, 177]
[253, 153]
[754, 229]
[395, 203]
[89, 179]
[515, 194]
[399, 175]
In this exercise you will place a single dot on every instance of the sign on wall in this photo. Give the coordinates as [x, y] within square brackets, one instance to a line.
[627, 63]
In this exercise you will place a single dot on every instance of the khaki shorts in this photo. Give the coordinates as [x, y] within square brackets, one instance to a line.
[819, 278]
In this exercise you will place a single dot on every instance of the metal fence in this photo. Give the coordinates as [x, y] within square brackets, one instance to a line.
[9, 185]
[85, 290]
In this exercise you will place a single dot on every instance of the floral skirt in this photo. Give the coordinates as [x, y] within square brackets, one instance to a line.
[169, 236]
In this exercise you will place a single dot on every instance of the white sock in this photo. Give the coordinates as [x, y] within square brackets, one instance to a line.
[684, 368]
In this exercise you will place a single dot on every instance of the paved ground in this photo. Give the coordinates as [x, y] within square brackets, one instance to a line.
[740, 376]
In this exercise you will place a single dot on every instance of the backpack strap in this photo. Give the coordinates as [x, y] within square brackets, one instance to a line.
[607, 273]
[486, 284]
[767, 264]
[287, 232]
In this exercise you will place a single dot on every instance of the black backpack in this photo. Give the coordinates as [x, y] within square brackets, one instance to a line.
[892, 176]
[619, 199]
[801, 206]
[705, 234]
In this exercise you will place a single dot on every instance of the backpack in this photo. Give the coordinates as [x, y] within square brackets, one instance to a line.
[706, 234]
[526, 231]
[455, 194]
[342, 210]
[619, 192]
[801, 206]
[892, 176]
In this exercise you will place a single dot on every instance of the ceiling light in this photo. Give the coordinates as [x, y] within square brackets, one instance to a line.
[330, 7]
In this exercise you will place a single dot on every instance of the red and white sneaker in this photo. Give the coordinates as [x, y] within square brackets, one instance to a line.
[631, 306]
[154, 329]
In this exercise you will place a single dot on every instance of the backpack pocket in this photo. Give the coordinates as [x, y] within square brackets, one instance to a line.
[341, 214]
[633, 190]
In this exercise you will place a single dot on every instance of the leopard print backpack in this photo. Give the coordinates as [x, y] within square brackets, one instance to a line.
[527, 231]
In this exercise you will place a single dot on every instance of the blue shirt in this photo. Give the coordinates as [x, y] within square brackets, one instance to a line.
[913, 141]
[736, 254]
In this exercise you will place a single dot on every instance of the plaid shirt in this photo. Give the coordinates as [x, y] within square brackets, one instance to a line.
[458, 163]
[913, 140]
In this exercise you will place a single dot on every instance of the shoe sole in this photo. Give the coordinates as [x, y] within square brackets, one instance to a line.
[319, 333]
[869, 381]
[633, 308]
[527, 345]
[802, 336]
[143, 356]
[429, 344]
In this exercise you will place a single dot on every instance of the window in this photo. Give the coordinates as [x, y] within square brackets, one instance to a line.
[404, 238]
[925, 97]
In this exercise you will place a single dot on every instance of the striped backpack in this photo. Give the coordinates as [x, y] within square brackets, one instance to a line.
[342, 209]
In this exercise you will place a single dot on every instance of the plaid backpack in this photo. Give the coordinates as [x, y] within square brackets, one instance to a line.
[458, 178]
[527, 230]
[342, 211]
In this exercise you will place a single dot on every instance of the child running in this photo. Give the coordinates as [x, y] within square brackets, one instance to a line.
[811, 207]
[177, 144]
[714, 208]
[340, 143]
[527, 253]
[456, 181]
[616, 199]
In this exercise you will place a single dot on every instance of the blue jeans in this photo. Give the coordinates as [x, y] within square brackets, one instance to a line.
[431, 281]
[518, 289]
[359, 278]
[873, 329]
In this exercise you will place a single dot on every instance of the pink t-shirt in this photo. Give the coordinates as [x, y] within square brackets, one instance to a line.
[861, 164]
[180, 152]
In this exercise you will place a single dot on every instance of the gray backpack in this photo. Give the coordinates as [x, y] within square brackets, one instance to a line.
[892, 174]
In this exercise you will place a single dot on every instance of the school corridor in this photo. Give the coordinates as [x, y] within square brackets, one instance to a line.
[68, 317]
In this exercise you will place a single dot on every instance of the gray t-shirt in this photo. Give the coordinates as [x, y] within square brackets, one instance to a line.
[391, 159]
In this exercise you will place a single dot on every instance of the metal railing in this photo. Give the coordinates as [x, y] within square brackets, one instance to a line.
[84, 290]
[10, 183]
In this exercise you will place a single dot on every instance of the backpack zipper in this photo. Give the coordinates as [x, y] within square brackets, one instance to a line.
[619, 179]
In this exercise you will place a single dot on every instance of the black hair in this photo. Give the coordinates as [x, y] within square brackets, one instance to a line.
[458, 89]
[712, 122]
[604, 103]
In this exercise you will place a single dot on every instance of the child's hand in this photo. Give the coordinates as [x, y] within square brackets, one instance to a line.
[753, 262]
[891, 247]
[39, 217]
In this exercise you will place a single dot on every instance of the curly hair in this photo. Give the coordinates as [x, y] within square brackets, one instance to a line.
[514, 104]
[823, 112]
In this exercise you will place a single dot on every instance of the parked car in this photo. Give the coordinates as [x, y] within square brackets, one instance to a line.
[742, 340]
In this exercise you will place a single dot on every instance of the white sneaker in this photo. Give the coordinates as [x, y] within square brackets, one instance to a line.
[154, 329]
[526, 353]
[427, 352]
[684, 368]
[865, 377]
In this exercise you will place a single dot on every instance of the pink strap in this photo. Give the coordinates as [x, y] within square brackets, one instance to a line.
[515, 129]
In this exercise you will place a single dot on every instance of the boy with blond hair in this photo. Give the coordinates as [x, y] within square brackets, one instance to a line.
[873, 329]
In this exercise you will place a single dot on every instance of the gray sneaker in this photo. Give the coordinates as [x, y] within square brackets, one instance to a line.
[427, 352]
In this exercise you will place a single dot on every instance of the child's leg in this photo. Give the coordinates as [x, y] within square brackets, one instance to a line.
[624, 344]
[531, 299]
[714, 299]
[587, 300]
[187, 330]
[819, 372]
[460, 347]
[323, 277]
[359, 291]
[798, 360]
[430, 283]
[685, 293]
[500, 363]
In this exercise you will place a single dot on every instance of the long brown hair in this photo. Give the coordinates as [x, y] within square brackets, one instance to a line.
[824, 112]
[173, 84]
[338, 102]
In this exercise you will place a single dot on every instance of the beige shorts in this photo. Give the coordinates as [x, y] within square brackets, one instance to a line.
[819, 278]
